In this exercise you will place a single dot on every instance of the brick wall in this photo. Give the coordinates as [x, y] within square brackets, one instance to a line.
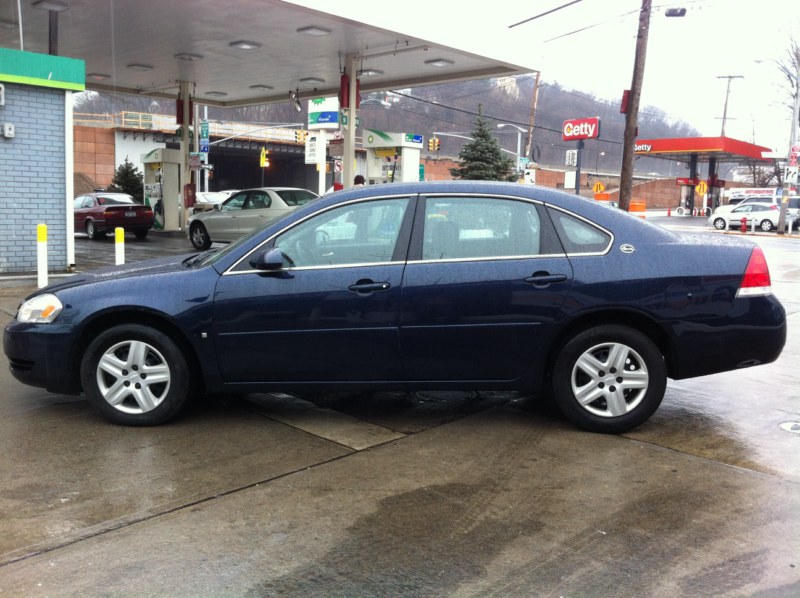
[32, 178]
[94, 154]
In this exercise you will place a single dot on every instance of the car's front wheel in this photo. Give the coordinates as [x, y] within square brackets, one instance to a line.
[719, 223]
[141, 233]
[766, 225]
[609, 379]
[135, 375]
[199, 236]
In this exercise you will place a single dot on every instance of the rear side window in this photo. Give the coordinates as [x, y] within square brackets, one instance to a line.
[295, 197]
[579, 236]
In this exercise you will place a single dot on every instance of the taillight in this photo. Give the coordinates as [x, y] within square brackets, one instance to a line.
[756, 280]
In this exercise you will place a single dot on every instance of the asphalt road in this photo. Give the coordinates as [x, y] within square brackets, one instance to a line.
[429, 494]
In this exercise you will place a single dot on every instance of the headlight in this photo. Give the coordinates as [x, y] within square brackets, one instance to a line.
[41, 309]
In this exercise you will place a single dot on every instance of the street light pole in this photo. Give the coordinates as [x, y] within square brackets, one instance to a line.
[787, 185]
[520, 131]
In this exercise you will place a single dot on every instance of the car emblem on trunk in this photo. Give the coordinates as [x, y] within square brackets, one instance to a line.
[626, 248]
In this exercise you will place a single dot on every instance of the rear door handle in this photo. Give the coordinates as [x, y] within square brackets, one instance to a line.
[543, 279]
[365, 287]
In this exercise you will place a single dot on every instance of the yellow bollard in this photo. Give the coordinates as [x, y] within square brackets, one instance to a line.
[41, 255]
[119, 245]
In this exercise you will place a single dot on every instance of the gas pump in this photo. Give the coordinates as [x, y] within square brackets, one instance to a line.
[392, 157]
[162, 188]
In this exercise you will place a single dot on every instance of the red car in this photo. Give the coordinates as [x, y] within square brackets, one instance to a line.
[99, 213]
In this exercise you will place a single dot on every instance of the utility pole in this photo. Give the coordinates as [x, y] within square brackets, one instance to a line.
[727, 93]
[532, 118]
[629, 139]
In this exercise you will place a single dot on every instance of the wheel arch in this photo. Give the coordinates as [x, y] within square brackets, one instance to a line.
[631, 319]
[124, 316]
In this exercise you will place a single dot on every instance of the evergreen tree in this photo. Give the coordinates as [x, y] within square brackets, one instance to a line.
[481, 158]
[128, 179]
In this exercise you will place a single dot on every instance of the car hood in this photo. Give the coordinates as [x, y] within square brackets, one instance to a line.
[162, 265]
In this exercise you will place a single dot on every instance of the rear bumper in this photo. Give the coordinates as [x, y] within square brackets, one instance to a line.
[755, 336]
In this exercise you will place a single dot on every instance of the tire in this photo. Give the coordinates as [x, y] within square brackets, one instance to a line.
[720, 224]
[91, 230]
[141, 234]
[609, 379]
[199, 236]
[135, 375]
[766, 225]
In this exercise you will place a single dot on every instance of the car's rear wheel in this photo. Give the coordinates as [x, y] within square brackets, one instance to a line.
[609, 379]
[199, 236]
[135, 375]
[766, 225]
[91, 230]
[140, 233]
[719, 223]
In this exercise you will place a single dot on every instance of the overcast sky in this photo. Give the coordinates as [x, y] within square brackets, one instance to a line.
[589, 46]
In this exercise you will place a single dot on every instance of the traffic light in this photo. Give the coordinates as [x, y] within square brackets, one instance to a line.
[431, 144]
[436, 144]
[264, 160]
[300, 136]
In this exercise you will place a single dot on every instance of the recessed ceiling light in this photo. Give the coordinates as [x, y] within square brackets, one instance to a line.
[98, 76]
[370, 73]
[216, 93]
[188, 57]
[314, 30]
[140, 67]
[243, 44]
[53, 5]
[261, 86]
[312, 80]
[440, 62]
[8, 24]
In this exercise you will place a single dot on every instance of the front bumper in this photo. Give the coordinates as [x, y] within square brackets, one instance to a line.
[39, 355]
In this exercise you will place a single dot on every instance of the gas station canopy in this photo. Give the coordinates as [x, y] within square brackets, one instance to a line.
[722, 149]
[242, 52]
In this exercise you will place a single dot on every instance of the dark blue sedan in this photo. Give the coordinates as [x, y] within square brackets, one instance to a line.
[452, 285]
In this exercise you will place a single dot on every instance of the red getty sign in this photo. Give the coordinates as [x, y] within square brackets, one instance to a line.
[581, 128]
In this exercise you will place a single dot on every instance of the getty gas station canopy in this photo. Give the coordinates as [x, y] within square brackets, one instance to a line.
[702, 149]
[244, 52]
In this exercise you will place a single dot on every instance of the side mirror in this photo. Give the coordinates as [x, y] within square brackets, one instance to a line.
[217, 207]
[272, 260]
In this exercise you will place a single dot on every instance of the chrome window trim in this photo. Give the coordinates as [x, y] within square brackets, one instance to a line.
[505, 258]
[232, 270]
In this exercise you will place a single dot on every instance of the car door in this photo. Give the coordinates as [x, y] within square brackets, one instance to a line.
[485, 282]
[223, 225]
[82, 206]
[332, 313]
[255, 211]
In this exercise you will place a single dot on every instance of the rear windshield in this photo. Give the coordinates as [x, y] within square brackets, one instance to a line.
[115, 200]
[296, 197]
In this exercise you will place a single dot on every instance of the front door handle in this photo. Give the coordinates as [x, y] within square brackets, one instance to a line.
[543, 279]
[365, 287]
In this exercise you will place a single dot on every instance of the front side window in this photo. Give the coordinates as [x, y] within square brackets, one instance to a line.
[257, 200]
[361, 233]
[236, 202]
[480, 227]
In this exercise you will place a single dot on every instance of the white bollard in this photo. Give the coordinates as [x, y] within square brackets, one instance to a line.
[41, 255]
[119, 245]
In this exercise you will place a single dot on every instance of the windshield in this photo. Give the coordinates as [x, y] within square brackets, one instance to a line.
[211, 257]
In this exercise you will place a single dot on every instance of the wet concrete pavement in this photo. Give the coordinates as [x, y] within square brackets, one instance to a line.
[430, 494]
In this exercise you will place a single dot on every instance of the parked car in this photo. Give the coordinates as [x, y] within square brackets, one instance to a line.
[792, 204]
[448, 285]
[242, 212]
[206, 200]
[764, 216]
[99, 213]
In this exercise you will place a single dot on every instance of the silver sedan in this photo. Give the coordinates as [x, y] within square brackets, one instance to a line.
[242, 212]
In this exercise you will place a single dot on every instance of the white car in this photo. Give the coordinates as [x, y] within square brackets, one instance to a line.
[765, 216]
[242, 212]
